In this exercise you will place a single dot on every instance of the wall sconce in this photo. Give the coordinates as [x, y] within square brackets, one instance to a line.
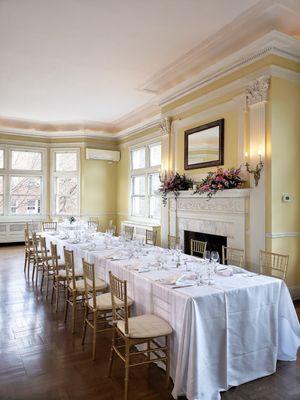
[255, 171]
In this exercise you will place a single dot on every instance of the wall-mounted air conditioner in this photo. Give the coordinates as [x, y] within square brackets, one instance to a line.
[106, 155]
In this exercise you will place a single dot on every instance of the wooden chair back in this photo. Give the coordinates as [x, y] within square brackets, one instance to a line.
[173, 242]
[54, 257]
[94, 222]
[118, 288]
[70, 269]
[151, 237]
[89, 282]
[233, 256]
[44, 251]
[49, 226]
[198, 247]
[36, 245]
[128, 232]
[27, 240]
[273, 264]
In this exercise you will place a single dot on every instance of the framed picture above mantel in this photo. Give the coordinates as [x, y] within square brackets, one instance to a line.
[204, 145]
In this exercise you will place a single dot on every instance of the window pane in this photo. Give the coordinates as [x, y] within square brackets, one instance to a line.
[155, 155]
[66, 195]
[138, 206]
[1, 158]
[138, 158]
[138, 185]
[154, 207]
[1, 194]
[66, 161]
[26, 160]
[25, 195]
[154, 183]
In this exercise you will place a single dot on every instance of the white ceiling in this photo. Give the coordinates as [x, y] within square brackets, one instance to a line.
[85, 60]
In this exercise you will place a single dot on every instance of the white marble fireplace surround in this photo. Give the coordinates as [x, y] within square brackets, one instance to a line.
[224, 214]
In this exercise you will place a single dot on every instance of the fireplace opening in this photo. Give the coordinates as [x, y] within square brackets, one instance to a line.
[214, 242]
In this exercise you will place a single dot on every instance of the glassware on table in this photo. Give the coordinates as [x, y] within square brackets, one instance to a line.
[215, 258]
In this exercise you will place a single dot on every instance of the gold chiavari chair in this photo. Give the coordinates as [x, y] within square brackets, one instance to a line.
[38, 263]
[151, 237]
[94, 222]
[128, 230]
[98, 308]
[49, 226]
[29, 251]
[273, 264]
[198, 247]
[232, 256]
[173, 242]
[48, 272]
[76, 287]
[59, 277]
[132, 331]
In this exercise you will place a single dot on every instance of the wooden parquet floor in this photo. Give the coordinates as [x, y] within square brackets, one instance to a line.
[41, 360]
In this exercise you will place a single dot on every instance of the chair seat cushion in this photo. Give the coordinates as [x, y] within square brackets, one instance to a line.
[145, 326]
[103, 302]
[99, 284]
[63, 274]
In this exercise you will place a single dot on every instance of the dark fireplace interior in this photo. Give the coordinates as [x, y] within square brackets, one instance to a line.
[214, 242]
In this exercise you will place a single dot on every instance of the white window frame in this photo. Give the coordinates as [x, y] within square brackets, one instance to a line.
[59, 174]
[7, 172]
[147, 171]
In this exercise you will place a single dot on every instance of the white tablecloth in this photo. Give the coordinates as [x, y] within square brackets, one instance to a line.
[223, 335]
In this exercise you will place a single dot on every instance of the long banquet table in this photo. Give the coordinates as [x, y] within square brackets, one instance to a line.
[225, 334]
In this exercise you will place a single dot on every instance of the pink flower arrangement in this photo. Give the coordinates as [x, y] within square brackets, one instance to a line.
[173, 182]
[219, 180]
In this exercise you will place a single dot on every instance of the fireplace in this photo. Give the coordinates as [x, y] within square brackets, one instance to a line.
[214, 242]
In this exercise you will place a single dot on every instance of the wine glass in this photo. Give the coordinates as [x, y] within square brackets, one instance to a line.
[214, 255]
[206, 256]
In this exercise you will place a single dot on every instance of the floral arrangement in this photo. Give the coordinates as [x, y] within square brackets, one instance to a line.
[72, 219]
[219, 180]
[173, 182]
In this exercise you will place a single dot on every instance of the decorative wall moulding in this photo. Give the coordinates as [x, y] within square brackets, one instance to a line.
[274, 235]
[257, 91]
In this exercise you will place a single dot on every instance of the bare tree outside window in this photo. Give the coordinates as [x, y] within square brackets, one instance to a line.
[66, 183]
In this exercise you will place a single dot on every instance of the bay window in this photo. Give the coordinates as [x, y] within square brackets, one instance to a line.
[144, 176]
[22, 181]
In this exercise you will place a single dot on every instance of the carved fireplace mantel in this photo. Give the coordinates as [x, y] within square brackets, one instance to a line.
[224, 214]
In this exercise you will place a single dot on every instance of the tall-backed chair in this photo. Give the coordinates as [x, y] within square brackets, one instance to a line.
[76, 287]
[273, 264]
[38, 263]
[98, 308]
[173, 242]
[198, 247]
[49, 226]
[232, 256]
[128, 230]
[151, 237]
[48, 272]
[59, 276]
[29, 251]
[132, 331]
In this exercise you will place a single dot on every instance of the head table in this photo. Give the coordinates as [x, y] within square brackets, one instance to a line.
[224, 334]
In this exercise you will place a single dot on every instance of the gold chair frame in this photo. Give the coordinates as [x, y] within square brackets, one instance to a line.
[128, 230]
[151, 237]
[59, 281]
[273, 264]
[233, 256]
[98, 317]
[198, 247]
[173, 242]
[123, 351]
[49, 226]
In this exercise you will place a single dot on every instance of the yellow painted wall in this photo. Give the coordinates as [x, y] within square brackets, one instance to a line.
[98, 189]
[285, 147]
[123, 186]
